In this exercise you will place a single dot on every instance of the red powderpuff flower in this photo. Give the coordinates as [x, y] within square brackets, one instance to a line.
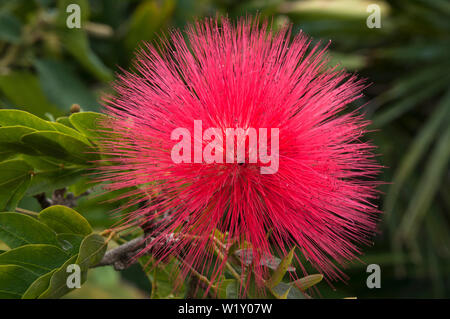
[315, 196]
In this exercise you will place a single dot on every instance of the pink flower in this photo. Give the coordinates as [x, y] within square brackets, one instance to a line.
[243, 76]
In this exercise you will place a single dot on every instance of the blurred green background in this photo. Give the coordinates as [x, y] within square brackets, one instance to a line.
[45, 67]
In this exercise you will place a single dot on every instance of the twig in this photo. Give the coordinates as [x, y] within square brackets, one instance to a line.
[230, 268]
[26, 211]
[9, 57]
[114, 230]
[200, 277]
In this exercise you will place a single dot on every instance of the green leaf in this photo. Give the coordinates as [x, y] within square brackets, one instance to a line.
[14, 281]
[416, 151]
[408, 84]
[58, 282]
[245, 256]
[18, 229]
[50, 175]
[39, 286]
[92, 250]
[281, 291]
[23, 118]
[422, 199]
[307, 281]
[279, 273]
[286, 291]
[146, 21]
[65, 121]
[232, 290]
[63, 219]
[88, 123]
[49, 180]
[37, 258]
[407, 103]
[163, 278]
[60, 146]
[76, 42]
[62, 86]
[70, 243]
[10, 28]
[15, 176]
[10, 139]
[24, 92]
[7, 154]
[82, 185]
[70, 131]
[223, 288]
[41, 163]
[62, 15]
[344, 9]
[348, 61]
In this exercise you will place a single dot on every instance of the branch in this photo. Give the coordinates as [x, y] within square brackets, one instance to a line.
[121, 257]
